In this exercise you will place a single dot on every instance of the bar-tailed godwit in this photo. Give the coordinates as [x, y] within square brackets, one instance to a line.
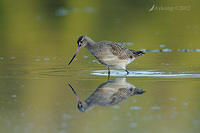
[109, 53]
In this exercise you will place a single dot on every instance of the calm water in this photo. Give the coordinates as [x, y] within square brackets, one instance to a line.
[39, 38]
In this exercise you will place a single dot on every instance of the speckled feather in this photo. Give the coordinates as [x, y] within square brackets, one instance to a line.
[123, 52]
[118, 50]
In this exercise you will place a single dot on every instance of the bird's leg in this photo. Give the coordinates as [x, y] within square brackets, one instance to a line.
[108, 73]
[127, 72]
[108, 70]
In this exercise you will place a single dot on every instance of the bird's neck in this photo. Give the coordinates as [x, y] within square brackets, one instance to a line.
[90, 43]
[91, 46]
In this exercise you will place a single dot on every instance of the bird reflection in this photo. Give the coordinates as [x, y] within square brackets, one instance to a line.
[109, 93]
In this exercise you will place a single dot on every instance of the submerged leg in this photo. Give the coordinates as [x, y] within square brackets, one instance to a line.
[127, 72]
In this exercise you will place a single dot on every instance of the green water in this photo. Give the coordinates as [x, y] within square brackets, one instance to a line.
[38, 38]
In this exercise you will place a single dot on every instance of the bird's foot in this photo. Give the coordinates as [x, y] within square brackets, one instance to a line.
[108, 72]
[127, 72]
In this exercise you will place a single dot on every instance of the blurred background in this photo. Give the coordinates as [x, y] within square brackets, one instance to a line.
[38, 38]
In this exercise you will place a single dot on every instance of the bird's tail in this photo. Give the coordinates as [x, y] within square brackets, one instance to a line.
[140, 53]
[137, 53]
[138, 91]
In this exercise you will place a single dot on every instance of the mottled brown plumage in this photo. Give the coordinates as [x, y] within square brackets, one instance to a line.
[109, 53]
[122, 52]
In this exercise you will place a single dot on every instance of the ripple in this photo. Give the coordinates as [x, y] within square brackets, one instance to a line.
[157, 50]
[13, 58]
[46, 59]
[155, 107]
[135, 108]
[61, 12]
[148, 73]
[189, 50]
[168, 50]
[162, 45]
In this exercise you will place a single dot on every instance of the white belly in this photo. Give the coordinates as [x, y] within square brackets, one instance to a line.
[114, 61]
[130, 60]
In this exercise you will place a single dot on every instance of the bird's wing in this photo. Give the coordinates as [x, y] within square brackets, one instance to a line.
[120, 51]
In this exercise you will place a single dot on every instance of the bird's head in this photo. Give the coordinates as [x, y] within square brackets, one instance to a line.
[82, 42]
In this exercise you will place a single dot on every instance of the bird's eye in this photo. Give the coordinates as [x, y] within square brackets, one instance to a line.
[81, 41]
[81, 105]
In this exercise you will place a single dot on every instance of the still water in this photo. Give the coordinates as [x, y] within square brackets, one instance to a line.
[160, 95]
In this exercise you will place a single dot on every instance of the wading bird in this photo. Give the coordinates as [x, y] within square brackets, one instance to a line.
[109, 53]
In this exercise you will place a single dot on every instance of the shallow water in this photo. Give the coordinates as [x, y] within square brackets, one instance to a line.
[35, 97]
[39, 38]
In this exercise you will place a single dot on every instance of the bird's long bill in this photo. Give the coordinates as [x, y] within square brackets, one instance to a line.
[77, 97]
[74, 56]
